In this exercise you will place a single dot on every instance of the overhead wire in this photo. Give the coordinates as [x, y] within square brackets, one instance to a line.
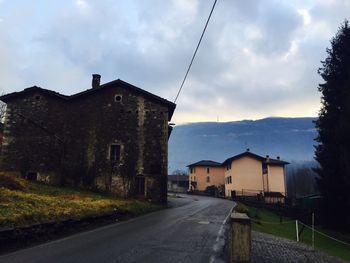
[195, 52]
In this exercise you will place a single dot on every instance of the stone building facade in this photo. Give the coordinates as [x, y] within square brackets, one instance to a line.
[112, 137]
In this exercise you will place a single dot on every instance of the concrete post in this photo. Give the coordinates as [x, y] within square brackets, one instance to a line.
[240, 238]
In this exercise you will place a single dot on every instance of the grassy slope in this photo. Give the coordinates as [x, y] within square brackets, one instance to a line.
[287, 230]
[39, 203]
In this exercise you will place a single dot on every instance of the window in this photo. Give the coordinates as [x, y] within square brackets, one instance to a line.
[193, 170]
[156, 168]
[208, 179]
[208, 170]
[228, 166]
[118, 98]
[264, 168]
[114, 153]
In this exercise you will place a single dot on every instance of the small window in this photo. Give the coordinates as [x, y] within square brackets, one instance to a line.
[118, 98]
[264, 168]
[156, 168]
[114, 153]
[37, 97]
[208, 170]
[193, 170]
[208, 179]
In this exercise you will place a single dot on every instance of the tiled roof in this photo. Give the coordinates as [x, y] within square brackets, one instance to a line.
[8, 97]
[205, 163]
[275, 161]
[178, 177]
[118, 82]
[273, 194]
[257, 157]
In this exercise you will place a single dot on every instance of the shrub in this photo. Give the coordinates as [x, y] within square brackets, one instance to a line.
[211, 190]
[241, 208]
[11, 182]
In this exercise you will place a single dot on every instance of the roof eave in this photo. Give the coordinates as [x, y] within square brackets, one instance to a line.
[8, 97]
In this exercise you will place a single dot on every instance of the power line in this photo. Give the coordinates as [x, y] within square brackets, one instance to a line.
[195, 52]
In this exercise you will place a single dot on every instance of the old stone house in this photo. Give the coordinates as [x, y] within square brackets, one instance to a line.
[111, 137]
[1, 133]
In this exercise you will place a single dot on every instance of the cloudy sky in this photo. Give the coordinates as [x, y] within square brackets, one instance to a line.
[259, 58]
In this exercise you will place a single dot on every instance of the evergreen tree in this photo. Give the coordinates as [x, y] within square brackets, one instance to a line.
[333, 125]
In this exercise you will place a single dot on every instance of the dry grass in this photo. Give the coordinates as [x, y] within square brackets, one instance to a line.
[39, 203]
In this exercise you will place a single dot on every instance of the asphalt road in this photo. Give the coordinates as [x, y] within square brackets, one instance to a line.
[192, 231]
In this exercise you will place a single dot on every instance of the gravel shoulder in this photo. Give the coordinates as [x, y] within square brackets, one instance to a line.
[267, 248]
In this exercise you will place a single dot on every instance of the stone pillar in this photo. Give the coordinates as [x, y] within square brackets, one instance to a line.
[240, 244]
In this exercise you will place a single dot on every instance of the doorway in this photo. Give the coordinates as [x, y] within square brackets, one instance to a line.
[140, 185]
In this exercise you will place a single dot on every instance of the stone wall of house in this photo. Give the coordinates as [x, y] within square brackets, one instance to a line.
[69, 141]
[33, 130]
[132, 121]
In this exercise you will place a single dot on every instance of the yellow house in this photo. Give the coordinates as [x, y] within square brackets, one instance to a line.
[205, 173]
[251, 174]
[245, 174]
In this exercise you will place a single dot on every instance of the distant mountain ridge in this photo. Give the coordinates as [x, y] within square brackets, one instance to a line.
[290, 138]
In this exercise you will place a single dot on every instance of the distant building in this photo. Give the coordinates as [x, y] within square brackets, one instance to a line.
[246, 174]
[178, 183]
[111, 137]
[249, 174]
[205, 173]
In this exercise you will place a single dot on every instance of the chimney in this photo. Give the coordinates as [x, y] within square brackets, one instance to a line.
[248, 149]
[267, 158]
[278, 157]
[96, 78]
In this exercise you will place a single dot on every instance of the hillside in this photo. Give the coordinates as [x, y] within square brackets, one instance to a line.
[290, 138]
[24, 203]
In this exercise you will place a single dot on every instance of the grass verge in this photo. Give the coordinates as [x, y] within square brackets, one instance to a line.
[35, 203]
[268, 222]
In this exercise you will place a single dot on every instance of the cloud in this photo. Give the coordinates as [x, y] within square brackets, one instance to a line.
[306, 16]
[82, 4]
[257, 59]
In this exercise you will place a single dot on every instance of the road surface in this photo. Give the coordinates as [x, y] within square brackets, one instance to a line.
[191, 232]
